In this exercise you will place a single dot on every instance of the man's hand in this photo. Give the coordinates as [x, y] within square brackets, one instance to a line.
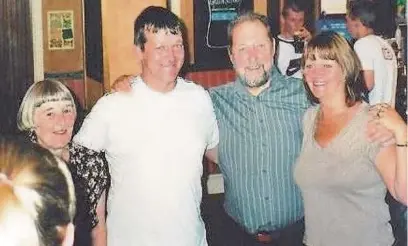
[122, 84]
[304, 34]
[378, 129]
[388, 117]
[385, 116]
[212, 154]
[380, 134]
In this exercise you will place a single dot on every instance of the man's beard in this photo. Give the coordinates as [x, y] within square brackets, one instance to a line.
[258, 82]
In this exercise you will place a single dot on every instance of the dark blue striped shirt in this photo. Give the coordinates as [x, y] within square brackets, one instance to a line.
[260, 139]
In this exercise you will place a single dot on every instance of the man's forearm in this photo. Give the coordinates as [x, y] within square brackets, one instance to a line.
[212, 154]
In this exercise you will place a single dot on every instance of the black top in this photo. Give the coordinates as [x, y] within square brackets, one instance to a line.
[90, 175]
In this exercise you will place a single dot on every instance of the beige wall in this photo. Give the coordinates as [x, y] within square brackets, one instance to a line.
[117, 31]
[93, 91]
[260, 6]
[184, 9]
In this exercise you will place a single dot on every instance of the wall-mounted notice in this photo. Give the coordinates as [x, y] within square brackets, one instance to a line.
[60, 30]
[211, 18]
[221, 12]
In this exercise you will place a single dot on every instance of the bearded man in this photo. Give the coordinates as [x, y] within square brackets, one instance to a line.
[259, 118]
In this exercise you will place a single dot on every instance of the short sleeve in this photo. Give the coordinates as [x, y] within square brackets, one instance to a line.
[373, 150]
[364, 53]
[308, 120]
[93, 130]
[212, 127]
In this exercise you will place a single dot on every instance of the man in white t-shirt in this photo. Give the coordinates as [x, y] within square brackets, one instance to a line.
[291, 41]
[154, 138]
[377, 57]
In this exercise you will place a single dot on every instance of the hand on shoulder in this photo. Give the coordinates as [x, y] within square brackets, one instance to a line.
[386, 125]
[122, 83]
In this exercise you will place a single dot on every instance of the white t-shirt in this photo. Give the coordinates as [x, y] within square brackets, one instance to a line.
[377, 55]
[288, 61]
[154, 143]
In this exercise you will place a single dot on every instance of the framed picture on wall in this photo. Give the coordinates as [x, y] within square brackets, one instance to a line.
[211, 18]
[60, 30]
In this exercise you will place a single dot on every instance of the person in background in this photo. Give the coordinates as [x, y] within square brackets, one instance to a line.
[154, 138]
[47, 115]
[343, 177]
[378, 61]
[259, 117]
[380, 70]
[290, 42]
[37, 199]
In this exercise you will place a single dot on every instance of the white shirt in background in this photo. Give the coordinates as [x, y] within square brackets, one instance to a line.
[286, 55]
[377, 55]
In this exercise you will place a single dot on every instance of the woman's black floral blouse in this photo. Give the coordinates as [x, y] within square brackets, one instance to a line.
[90, 174]
[89, 170]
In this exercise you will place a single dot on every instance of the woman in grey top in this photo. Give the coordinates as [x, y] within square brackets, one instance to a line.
[343, 176]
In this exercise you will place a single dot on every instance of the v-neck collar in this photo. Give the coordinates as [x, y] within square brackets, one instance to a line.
[341, 133]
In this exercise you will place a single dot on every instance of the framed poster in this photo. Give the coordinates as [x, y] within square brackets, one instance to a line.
[60, 30]
[211, 18]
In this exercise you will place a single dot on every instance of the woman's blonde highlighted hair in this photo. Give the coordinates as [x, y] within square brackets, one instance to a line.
[332, 46]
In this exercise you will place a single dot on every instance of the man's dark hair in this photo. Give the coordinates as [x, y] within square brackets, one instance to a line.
[294, 5]
[363, 10]
[154, 18]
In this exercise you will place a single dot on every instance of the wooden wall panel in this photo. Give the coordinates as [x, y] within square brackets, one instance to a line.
[93, 91]
[64, 60]
[187, 14]
[260, 7]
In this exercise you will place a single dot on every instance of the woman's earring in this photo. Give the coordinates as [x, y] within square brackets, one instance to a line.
[31, 135]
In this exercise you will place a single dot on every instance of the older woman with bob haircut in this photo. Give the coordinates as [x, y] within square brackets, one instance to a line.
[47, 115]
[37, 199]
[344, 177]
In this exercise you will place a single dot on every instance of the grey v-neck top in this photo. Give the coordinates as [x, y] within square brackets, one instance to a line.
[342, 191]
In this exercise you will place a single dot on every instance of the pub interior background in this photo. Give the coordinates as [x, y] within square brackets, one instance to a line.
[100, 38]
